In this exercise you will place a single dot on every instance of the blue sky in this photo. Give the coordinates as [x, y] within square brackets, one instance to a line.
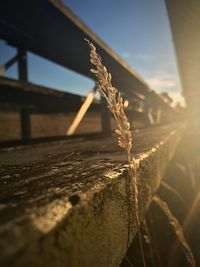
[137, 30]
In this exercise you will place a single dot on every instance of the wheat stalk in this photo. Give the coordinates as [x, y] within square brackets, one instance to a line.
[114, 100]
[116, 106]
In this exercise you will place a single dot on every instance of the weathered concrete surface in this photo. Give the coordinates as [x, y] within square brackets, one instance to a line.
[70, 203]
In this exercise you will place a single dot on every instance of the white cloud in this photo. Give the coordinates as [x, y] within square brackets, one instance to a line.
[162, 81]
[143, 57]
[140, 56]
[126, 55]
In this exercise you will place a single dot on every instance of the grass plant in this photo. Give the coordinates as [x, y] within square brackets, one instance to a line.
[115, 104]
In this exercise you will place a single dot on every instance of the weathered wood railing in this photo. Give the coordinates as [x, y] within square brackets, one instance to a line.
[29, 98]
[70, 203]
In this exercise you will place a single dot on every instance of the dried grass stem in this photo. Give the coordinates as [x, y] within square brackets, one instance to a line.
[116, 106]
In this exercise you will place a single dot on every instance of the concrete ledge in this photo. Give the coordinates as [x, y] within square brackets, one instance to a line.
[71, 203]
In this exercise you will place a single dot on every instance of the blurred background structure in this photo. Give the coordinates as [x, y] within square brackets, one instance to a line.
[185, 23]
[66, 197]
[61, 39]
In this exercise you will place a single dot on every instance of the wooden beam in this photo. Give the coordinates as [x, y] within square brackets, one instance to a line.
[82, 111]
[8, 64]
[87, 202]
[72, 52]
[25, 124]
[22, 65]
[41, 99]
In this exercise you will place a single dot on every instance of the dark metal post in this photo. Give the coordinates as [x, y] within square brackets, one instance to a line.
[25, 124]
[105, 117]
[23, 76]
[22, 65]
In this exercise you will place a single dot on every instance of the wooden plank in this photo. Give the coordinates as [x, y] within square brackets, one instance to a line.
[67, 202]
[37, 31]
[39, 98]
[82, 111]
[22, 65]
[185, 24]
[25, 122]
[42, 23]
[8, 64]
